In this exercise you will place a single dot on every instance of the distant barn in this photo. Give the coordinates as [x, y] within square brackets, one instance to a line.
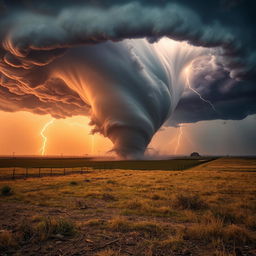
[195, 154]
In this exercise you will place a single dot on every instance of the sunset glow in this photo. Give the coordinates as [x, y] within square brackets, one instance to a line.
[21, 134]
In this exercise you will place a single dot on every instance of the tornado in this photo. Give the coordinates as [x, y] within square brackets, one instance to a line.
[121, 63]
[131, 87]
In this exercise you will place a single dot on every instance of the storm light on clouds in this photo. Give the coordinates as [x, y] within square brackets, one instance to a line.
[115, 65]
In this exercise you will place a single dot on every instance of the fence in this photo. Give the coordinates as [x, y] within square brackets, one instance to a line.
[44, 167]
[23, 173]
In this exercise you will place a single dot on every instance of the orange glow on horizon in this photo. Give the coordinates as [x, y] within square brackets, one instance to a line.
[20, 134]
[92, 135]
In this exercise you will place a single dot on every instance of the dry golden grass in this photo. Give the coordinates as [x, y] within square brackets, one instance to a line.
[207, 209]
[189, 202]
[148, 229]
[44, 228]
[7, 240]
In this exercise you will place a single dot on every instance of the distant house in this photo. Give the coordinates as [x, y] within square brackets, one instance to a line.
[195, 154]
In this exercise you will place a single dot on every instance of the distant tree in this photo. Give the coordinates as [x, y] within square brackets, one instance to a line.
[195, 154]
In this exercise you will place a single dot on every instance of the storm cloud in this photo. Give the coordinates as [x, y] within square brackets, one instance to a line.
[232, 100]
[91, 58]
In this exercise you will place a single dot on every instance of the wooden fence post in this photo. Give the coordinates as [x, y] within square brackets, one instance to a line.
[26, 172]
[13, 173]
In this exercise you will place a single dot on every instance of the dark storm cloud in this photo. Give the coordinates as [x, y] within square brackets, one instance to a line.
[236, 103]
[231, 99]
[32, 30]
[28, 26]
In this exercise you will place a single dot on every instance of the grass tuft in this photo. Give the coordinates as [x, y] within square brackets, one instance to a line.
[155, 197]
[146, 228]
[111, 182]
[7, 240]
[108, 197]
[134, 205]
[73, 183]
[187, 202]
[151, 229]
[238, 235]
[215, 230]
[50, 226]
[27, 229]
[119, 224]
[206, 231]
[6, 190]
[95, 223]
[45, 228]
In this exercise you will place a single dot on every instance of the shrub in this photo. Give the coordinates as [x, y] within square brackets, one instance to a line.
[6, 190]
[156, 197]
[81, 205]
[64, 227]
[73, 183]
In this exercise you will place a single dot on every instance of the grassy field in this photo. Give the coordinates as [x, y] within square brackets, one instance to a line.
[169, 164]
[209, 209]
[25, 167]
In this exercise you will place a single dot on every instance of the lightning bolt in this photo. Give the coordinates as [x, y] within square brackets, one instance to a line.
[179, 139]
[187, 76]
[42, 150]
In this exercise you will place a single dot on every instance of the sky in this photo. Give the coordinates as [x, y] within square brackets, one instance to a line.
[165, 77]
[20, 133]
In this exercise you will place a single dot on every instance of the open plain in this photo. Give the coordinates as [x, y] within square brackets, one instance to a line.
[203, 209]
